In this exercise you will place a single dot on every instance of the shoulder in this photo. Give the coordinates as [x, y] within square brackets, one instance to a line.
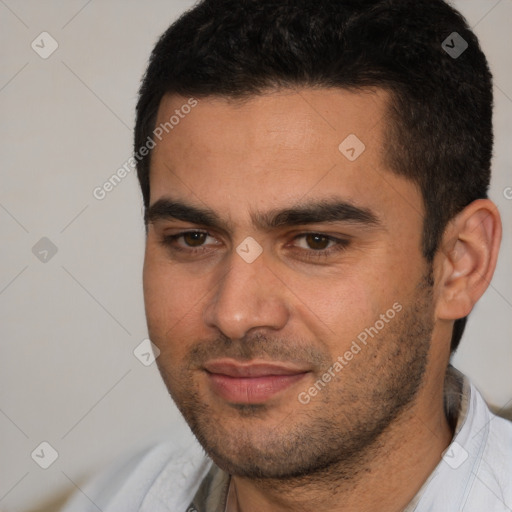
[475, 473]
[160, 478]
[493, 472]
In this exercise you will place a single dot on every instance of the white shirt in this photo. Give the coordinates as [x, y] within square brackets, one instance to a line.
[475, 474]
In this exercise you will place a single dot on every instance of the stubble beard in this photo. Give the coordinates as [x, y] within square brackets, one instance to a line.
[334, 436]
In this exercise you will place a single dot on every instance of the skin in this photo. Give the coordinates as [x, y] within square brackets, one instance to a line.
[370, 438]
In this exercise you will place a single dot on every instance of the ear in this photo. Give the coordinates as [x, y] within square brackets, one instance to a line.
[467, 259]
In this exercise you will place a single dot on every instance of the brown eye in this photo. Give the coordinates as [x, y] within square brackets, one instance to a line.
[316, 241]
[194, 238]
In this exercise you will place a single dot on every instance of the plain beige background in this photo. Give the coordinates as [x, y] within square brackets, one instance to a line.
[70, 323]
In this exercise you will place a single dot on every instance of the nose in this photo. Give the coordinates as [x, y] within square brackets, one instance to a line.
[248, 296]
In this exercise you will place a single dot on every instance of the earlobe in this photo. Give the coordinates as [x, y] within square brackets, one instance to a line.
[467, 258]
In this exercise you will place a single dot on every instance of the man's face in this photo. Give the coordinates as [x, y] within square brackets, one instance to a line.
[250, 329]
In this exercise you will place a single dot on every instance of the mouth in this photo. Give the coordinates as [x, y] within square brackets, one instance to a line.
[254, 382]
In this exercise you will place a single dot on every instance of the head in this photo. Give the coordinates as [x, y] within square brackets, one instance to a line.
[295, 251]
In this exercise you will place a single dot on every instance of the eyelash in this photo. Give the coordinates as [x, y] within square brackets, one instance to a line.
[169, 241]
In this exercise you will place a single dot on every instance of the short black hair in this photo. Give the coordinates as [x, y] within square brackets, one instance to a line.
[440, 113]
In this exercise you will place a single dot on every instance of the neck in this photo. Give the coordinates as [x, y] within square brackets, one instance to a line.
[385, 478]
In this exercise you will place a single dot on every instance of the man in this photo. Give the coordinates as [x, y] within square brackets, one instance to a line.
[315, 179]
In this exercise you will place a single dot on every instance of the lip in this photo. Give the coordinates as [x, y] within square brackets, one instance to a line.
[253, 382]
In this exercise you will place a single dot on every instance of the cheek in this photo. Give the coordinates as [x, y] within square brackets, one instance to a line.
[172, 300]
[336, 309]
[362, 312]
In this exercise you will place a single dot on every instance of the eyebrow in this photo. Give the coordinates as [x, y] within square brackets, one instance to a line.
[327, 210]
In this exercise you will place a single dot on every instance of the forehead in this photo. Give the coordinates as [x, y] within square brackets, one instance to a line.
[304, 119]
[277, 149]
